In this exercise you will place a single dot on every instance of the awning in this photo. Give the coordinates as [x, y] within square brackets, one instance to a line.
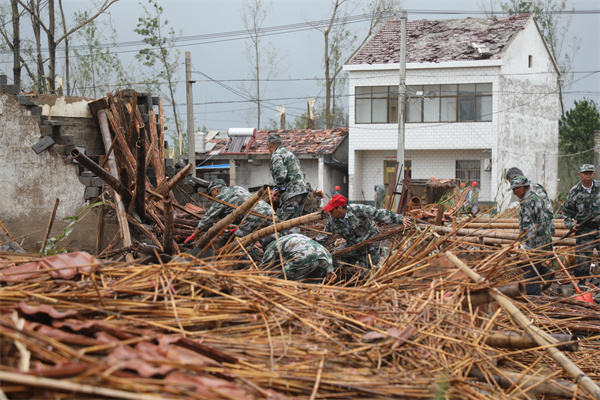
[214, 166]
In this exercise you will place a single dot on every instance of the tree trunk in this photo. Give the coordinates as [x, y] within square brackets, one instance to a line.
[16, 44]
[40, 82]
[67, 82]
[51, 49]
[257, 67]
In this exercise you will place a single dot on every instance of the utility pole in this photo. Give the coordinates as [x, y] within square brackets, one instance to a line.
[190, 112]
[597, 148]
[401, 99]
[402, 89]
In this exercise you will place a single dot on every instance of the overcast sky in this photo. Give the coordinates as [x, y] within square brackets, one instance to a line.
[223, 58]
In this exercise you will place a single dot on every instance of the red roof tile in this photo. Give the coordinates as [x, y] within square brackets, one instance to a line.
[303, 141]
[442, 40]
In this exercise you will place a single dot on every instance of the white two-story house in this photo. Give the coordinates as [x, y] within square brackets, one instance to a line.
[482, 95]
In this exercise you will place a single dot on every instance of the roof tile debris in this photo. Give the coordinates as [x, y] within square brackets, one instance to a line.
[303, 141]
[438, 41]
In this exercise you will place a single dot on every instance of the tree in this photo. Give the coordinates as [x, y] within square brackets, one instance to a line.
[97, 69]
[160, 56]
[554, 25]
[341, 43]
[42, 14]
[576, 138]
[263, 59]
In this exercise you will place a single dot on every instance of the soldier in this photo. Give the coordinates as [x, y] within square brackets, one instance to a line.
[537, 225]
[356, 223]
[380, 191]
[582, 211]
[289, 180]
[302, 258]
[235, 195]
[536, 187]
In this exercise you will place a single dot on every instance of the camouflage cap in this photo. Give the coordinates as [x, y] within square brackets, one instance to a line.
[519, 181]
[586, 168]
[217, 183]
[274, 138]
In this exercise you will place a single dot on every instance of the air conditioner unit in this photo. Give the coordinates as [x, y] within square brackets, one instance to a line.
[487, 164]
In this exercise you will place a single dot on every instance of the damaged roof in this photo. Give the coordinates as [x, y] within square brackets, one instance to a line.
[435, 41]
[303, 141]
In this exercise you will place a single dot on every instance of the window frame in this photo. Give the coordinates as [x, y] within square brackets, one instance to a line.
[376, 95]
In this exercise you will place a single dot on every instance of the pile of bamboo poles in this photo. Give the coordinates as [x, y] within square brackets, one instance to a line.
[199, 329]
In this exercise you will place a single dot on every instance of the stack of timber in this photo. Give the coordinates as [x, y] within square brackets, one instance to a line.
[417, 327]
[134, 137]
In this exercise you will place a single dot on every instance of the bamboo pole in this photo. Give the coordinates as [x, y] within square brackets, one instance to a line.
[480, 297]
[269, 230]
[112, 166]
[215, 231]
[168, 235]
[518, 341]
[72, 387]
[50, 223]
[541, 338]
[171, 183]
[533, 385]
[140, 180]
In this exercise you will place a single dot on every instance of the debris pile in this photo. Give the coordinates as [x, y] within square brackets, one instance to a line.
[414, 329]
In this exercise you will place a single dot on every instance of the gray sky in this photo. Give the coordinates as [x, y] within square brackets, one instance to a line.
[224, 58]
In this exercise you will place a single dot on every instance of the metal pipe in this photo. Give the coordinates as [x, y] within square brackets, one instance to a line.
[102, 174]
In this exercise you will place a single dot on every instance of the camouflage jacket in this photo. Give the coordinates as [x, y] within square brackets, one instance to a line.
[535, 221]
[359, 223]
[286, 172]
[543, 195]
[379, 195]
[580, 204]
[235, 195]
[302, 257]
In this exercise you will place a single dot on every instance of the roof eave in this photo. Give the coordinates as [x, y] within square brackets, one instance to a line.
[415, 66]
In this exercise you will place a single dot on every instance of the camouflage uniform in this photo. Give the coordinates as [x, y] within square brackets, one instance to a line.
[358, 226]
[287, 174]
[578, 206]
[538, 225]
[543, 195]
[379, 196]
[302, 257]
[236, 195]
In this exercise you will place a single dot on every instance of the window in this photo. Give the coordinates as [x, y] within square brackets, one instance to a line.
[376, 104]
[449, 103]
[469, 171]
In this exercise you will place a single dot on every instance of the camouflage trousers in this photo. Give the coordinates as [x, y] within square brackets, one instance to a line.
[585, 251]
[291, 208]
[299, 271]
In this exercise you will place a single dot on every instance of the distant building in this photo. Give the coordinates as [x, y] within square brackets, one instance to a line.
[482, 96]
[323, 155]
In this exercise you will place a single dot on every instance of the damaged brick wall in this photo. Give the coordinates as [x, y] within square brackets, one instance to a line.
[35, 171]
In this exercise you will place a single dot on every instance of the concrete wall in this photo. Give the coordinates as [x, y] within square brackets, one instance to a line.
[30, 182]
[529, 111]
[454, 137]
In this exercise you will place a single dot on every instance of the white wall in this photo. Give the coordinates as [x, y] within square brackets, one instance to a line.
[480, 136]
[529, 111]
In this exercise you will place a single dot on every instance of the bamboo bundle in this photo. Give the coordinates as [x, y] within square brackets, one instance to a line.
[195, 329]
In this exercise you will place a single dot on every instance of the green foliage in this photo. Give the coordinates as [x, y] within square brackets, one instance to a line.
[576, 140]
[442, 388]
[96, 68]
[51, 246]
[160, 56]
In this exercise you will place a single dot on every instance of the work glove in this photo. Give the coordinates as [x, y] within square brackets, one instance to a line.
[190, 238]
